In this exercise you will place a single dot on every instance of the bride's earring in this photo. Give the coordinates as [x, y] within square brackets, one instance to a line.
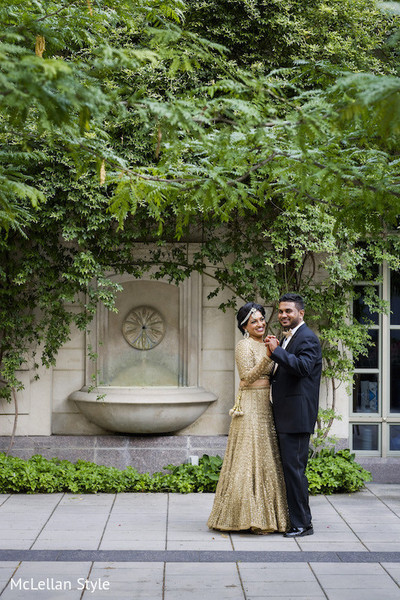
[246, 334]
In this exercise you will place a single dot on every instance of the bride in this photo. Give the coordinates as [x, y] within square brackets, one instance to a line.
[251, 493]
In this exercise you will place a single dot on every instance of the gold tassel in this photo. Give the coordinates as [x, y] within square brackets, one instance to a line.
[103, 173]
[89, 3]
[237, 410]
[40, 45]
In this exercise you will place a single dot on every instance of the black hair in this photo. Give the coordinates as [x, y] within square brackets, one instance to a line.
[298, 300]
[244, 311]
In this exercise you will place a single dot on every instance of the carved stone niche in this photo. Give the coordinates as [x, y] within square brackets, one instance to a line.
[147, 367]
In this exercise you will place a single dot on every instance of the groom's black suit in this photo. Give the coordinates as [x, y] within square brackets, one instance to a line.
[295, 395]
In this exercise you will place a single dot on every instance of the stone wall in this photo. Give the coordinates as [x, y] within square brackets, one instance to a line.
[144, 453]
[152, 453]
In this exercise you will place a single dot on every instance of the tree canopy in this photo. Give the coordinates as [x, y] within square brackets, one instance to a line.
[121, 123]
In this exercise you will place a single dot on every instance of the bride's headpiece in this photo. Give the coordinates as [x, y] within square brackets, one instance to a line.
[251, 312]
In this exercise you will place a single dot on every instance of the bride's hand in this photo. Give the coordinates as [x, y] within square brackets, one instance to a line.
[271, 343]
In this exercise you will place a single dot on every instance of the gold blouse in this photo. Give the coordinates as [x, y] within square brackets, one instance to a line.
[252, 360]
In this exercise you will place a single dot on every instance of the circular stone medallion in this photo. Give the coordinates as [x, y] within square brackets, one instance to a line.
[143, 328]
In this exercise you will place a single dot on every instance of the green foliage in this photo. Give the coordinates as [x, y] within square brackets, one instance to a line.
[327, 473]
[131, 128]
[321, 438]
[263, 254]
[333, 472]
[266, 34]
[55, 61]
[39, 475]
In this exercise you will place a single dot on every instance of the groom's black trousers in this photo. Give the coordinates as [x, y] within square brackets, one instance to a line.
[294, 455]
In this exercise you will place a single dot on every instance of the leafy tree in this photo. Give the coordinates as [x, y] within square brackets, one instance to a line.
[174, 141]
[56, 57]
[268, 34]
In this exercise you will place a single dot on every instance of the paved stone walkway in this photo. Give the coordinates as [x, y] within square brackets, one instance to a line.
[158, 547]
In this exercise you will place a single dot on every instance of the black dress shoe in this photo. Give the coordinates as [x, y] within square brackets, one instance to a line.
[299, 532]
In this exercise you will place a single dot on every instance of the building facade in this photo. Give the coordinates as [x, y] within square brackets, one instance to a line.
[167, 358]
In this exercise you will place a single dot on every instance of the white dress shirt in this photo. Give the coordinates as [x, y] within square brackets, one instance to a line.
[289, 337]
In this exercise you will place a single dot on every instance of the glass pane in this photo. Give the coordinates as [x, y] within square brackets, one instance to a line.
[395, 371]
[395, 297]
[394, 443]
[365, 437]
[372, 360]
[365, 393]
[360, 309]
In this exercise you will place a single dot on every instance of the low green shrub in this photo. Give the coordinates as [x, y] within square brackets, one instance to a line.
[331, 472]
[40, 475]
[327, 473]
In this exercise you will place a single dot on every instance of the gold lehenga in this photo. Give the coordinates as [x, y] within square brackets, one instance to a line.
[251, 491]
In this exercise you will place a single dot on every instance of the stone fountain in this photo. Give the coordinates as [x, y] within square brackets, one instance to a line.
[145, 378]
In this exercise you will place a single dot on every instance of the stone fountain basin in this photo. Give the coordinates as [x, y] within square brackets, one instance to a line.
[143, 410]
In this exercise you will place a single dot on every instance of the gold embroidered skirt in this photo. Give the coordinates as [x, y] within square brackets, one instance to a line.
[251, 491]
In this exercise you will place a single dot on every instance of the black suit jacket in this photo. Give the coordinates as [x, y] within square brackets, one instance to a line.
[296, 381]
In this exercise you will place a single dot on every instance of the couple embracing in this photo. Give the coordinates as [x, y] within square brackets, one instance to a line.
[262, 486]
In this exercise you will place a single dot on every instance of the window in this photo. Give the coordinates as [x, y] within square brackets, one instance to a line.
[375, 402]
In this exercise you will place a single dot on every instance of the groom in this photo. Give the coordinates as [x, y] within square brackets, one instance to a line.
[295, 394]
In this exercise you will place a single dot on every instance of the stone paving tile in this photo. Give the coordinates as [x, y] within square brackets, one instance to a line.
[29, 513]
[378, 537]
[58, 580]
[197, 581]
[125, 536]
[394, 570]
[362, 528]
[285, 597]
[188, 535]
[190, 521]
[67, 511]
[268, 589]
[40, 500]
[346, 536]
[131, 580]
[391, 490]
[249, 547]
[6, 572]
[128, 502]
[356, 581]
[143, 529]
[281, 572]
[383, 546]
[61, 569]
[331, 546]
[132, 545]
[88, 499]
[73, 594]
[363, 594]
[125, 591]
[266, 543]
[18, 534]
[62, 544]
[339, 568]
[18, 526]
[375, 518]
[129, 571]
[213, 544]
[23, 544]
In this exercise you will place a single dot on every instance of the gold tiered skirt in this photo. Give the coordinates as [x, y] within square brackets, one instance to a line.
[251, 493]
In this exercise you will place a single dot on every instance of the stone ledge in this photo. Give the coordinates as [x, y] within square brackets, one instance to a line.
[151, 453]
[145, 453]
[383, 470]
